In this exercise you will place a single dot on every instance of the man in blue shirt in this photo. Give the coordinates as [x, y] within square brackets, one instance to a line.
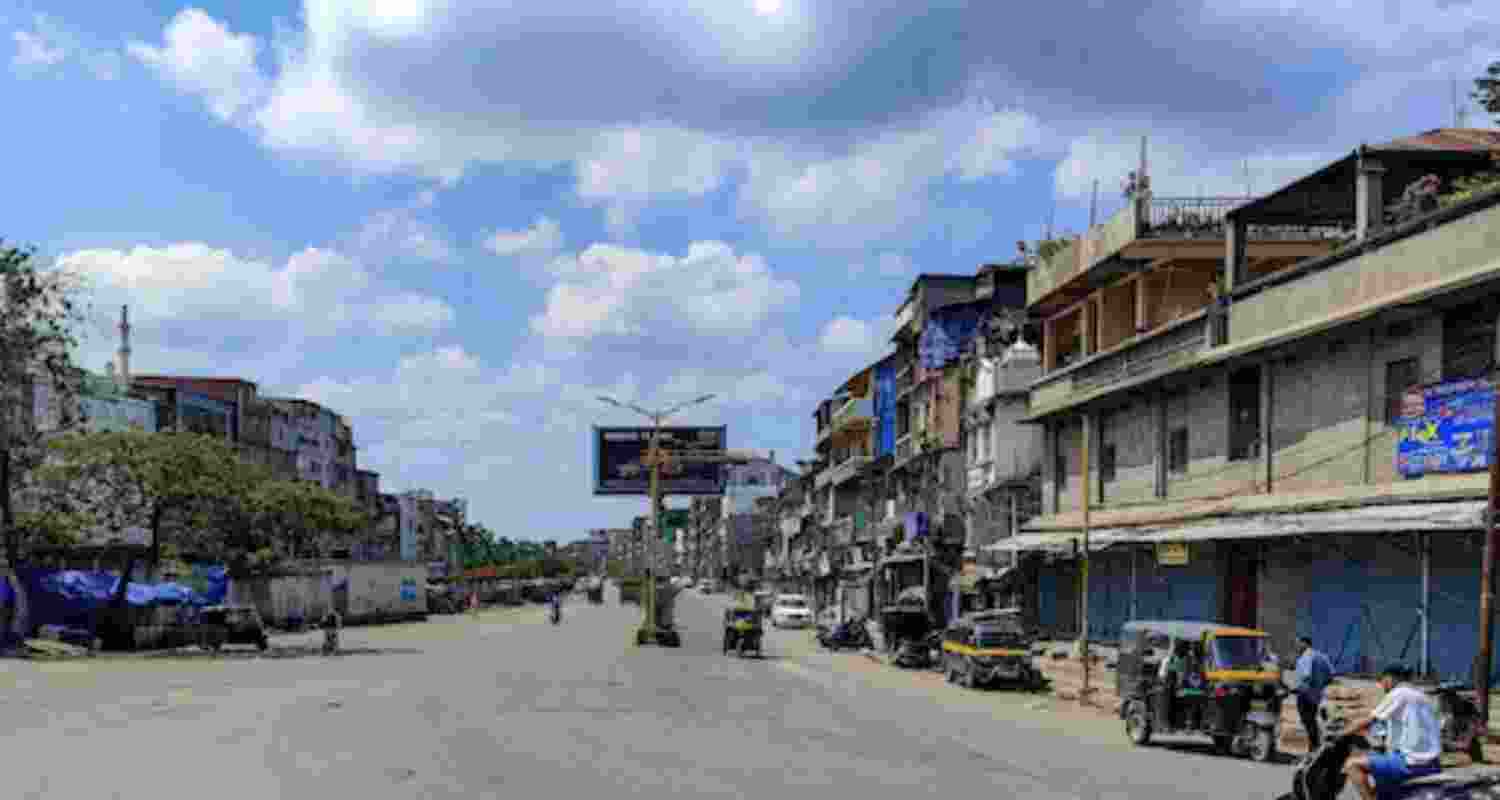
[1314, 673]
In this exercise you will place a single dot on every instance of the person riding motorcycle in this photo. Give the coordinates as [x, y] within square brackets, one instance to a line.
[1414, 741]
[556, 607]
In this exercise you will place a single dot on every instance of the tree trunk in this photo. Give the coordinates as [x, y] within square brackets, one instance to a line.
[155, 558]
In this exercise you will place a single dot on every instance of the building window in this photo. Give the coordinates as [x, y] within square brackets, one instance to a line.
[1469, 339]
[1177, 451]
[1107, 463]
[1244, 414]
[1060, 465]
[1399, 376]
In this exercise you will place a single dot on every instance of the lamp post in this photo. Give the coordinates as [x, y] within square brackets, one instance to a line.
[654, 455]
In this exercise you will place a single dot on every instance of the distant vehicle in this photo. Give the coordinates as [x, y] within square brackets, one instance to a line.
[791, 611]
[708, 586]
[630, 470]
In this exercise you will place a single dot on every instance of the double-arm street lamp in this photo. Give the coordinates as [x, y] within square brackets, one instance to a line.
[655, 458]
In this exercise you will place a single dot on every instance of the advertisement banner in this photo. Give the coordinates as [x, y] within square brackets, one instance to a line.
[619, 454]
[1447, 427]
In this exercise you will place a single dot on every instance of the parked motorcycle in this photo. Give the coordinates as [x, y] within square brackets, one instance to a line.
[331, 624]
[850, 635]
[918, 652]
[1459, 714]
[557, 615]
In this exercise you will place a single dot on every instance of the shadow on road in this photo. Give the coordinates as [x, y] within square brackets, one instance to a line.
[1208, 750]
[276, 652]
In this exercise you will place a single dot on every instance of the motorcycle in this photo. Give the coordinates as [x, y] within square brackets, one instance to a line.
[850, 635]
[1459, 715]
[918, 652]
[330, 635]
[556, 614]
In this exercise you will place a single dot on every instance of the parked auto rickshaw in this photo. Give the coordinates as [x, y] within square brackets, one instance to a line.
[903, 622]
[989, 647]
[1221, 684]
[743, 630]
[764, 600]
[223, 625]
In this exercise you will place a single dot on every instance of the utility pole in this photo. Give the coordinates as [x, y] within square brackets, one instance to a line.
[1487, 574]
[1083, 638]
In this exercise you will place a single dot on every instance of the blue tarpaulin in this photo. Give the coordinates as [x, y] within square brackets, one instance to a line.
[70, 597]
[1447, 427]
[947, 331]
[7, 594]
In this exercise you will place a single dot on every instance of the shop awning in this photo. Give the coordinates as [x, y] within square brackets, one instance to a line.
[1404, 518]
[1396, 518]
[901, 558]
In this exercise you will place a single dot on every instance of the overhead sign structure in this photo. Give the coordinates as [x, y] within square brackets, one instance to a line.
[620, 466]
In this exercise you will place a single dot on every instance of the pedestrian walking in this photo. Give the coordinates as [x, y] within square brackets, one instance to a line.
[1314, 673]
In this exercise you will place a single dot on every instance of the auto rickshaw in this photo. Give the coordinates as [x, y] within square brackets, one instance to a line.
[743, 630]
[223, 625]
[1224, 685]
[989, 647]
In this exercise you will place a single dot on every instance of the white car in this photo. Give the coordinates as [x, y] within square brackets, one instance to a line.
[791, 611]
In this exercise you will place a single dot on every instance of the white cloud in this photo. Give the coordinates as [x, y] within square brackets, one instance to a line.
[612, 290]
[398, 232]
[34, 50]
[409, 311]
[543, 239]
[626, 168]
[201, 56]
[847, 335]
[880, 188]
[49, 44]
[1176, 168]
[192, 301]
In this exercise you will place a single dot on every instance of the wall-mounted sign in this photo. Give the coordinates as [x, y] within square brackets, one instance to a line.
[619, 456]
[1172, 554]
[1451, 429]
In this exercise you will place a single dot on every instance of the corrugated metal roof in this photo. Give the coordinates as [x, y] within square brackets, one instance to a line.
[1470, 140]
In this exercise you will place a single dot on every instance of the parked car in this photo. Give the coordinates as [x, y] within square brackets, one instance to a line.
[791, 611]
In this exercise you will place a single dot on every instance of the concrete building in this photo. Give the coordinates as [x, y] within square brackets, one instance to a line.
[743, 531]
[1301, 449]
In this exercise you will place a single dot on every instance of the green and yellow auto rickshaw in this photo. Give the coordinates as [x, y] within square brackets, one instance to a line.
[743, 630]
[1201, 679]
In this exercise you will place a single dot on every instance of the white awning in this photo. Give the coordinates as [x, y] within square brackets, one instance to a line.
[1059, 542]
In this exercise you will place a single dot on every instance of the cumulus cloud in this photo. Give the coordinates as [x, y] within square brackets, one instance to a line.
[543, 239]
[201, 56]
[609, 290]
[192, 304]
[49, 43]
[399, 232]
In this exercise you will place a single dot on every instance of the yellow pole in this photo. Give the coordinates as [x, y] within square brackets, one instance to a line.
[1088, 431]
[650, 588]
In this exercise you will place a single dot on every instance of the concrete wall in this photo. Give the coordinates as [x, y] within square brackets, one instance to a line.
[1132, 431]
[374, 591]
[1016, 449]
[1203, 408]
[1320, 400]
[1456, 252]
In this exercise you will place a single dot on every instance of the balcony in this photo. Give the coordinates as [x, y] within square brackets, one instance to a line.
[854, 412]
[904, 379]
[1153, 227]
[1164, 350]
[848, 469]
[841, 531]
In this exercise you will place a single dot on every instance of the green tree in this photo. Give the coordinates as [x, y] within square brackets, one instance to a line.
[301, 518]
[38, 318]
[1487, 90]
[125, 479]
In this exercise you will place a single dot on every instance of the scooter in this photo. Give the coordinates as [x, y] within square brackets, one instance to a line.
[917, 652]
[850, 635]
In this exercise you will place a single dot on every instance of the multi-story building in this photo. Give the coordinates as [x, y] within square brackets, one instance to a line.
[1298, 443]
[704, 554]
[321, 439]
[742, 531]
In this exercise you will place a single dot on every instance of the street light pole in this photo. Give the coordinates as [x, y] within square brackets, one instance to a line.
[654, 454]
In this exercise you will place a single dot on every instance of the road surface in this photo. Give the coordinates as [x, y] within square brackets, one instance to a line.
[506, 705]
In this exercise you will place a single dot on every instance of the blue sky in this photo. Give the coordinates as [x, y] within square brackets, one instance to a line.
[458, 223]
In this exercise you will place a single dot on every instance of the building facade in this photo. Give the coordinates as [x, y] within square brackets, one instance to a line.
[1300, 449]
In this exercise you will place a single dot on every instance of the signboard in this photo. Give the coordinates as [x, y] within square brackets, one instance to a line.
[673, 522]
[1172, 554]
[1446, 427]
[619, 453]
[408, 590]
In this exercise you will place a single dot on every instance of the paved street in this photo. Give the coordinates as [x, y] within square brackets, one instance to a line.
[507, 705]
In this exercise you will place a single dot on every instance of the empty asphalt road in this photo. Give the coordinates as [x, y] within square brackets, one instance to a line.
[506, 705]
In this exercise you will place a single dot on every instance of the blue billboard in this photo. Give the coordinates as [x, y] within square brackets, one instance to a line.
[1447, 427]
